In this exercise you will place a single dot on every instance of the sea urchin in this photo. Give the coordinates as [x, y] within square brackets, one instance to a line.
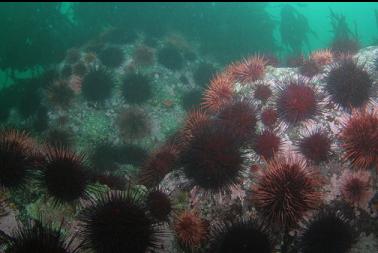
[97, 84]
[297, 101]
[355, 187]
[134, 123]
[219, 93]
[118, 222]
[315, 146]
[159, 164]
[359, 138]
[269, 117]
[64, 175]
[41, 238]
[348, 84]
[286, 191]
[240, 116]
[16, 158]
[243, 237]
[191, 230]
[136, 88]
[267, 144]
[159, 205]
[262, 92]
[212, 159]
[248, 70]
[327, 233]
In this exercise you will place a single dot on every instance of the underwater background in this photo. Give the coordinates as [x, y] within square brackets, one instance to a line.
[189, 127]
[212, 22]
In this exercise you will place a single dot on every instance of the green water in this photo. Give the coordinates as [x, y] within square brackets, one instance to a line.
[228, 17]
[360, 14]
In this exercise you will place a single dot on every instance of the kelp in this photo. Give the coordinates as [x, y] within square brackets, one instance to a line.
[294, 29]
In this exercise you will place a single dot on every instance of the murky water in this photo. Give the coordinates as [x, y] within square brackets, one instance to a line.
[188, 127]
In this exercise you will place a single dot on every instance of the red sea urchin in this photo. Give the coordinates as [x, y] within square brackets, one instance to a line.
[315, 146]
[194, 121]
[134, 123]
[213, 159]
[269, 117]
[359, 139]
[355, 187]
[297, 101]
[159, 205]
[309, 68]
[248, 70]
[240, 116]
[219, 93]
[191, 230]
[286, 191]
[143, 56]
[262, 92]
[60, 94]
[159, 164]
[322, 57]
[267, 144]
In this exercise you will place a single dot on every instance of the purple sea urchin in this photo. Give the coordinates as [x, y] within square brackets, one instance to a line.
[348, 84]
[213, 159]
[64, 175]
[134, 123]
[39, 238]
[136, 88]
[243, 236]
[112, 57]
[97, 84]
[118, 222]
[16, 158]
[159, 205]
[328, 233]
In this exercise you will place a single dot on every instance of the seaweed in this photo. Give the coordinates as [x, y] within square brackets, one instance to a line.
[294, 29]
[345, 41]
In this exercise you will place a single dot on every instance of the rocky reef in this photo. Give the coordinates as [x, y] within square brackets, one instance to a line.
[159, 144]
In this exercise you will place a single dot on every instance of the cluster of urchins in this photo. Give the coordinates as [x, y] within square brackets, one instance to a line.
[211, 151]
